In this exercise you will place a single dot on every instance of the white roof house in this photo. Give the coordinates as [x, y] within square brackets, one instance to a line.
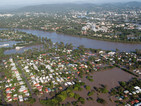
[137, 87]
[20, 98]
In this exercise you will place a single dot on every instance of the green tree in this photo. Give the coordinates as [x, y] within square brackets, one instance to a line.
[71, 94]
[100, 100]
[88, 87]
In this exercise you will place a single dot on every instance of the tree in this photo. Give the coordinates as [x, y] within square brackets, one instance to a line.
[82, 100]
[103, 90]
[71, 94]
[61, 45]
[54, 101]
[69, 46]
[76, 96]
[81, 47]
[60, 98]
[32, 100]
[88, 87]
[75, 88]
[90, 93]
[100, 100]
[117, 50]
[123, 84]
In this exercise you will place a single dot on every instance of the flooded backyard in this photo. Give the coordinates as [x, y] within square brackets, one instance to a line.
[110, 78]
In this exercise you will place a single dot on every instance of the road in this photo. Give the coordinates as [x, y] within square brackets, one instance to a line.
[26, 81]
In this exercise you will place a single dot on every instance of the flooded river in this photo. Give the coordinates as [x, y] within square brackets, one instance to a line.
[88, 43]
[76, 41]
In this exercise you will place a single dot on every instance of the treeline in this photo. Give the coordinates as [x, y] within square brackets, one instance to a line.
[128, 86]
[126, 70]
[122, 36]
[63, 95]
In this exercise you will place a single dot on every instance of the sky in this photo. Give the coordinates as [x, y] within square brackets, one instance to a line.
[8, 3]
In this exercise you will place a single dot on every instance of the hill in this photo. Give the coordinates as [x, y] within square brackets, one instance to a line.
[54, 8]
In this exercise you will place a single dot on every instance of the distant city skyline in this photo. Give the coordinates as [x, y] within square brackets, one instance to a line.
[10, 3]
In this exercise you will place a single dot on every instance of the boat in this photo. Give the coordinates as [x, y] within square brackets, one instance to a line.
[18, 48]
[4, 45]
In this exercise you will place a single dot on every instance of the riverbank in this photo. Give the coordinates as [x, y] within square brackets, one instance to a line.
[82, 36]
[88, 43]
[109, 40]
[22, 50]
[92, 68]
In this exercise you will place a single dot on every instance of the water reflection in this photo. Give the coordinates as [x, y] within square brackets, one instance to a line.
[8, 43]
[13, 51]
[88, 43]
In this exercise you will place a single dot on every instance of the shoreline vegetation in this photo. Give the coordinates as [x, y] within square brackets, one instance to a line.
[62, 55]
[100, 39]
[80, 36]
[78, 66]
[126, 70]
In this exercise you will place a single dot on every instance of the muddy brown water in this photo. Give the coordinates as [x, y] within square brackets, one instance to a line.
[110, 78]
[88, 43]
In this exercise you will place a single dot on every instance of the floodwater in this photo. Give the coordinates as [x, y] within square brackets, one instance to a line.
[110, 78]
[11, 43]
[13, 51]
[88, 43]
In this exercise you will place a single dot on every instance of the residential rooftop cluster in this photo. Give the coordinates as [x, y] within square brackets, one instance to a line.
[41, 72]
[119, 25]
[128, 92]
[57, 69]
[14, 84]
[47, 75]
